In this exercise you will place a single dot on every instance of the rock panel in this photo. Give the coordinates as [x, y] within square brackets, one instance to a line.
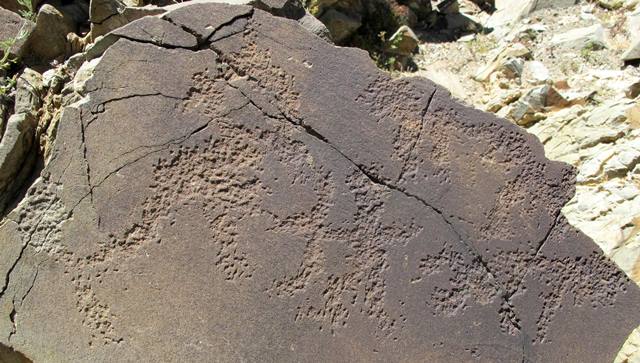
[268, 196]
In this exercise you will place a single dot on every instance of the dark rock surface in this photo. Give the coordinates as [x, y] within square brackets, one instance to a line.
[13, 5]
[48, 40]
[262, 195]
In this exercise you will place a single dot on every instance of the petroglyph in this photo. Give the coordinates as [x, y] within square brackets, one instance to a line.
[247, 206]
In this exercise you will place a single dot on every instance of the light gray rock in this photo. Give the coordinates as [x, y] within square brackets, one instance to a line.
[581, 38]
[546, 4]
[510, 12]
[528, 109]
[535, 72]
[513, 67]
[633, 21]
[633, 53]
[16, 155]
[29, 92]
[502, 56]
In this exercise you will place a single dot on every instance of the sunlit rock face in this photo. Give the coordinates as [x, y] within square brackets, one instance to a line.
[234, 188]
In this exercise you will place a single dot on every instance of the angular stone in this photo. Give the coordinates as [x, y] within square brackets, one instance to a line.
[516, 50]
[121, 17]
[535, 72]
[15, 29]
[156, 31]
[16, 155]
[271, 197]
[513, 67]
[29, 92]
[101, 10]
[48, 40]
[509, 12]
[403, 42]
[14, 6]
[633, 53]
[546, 4]
[633, 90]
[340, 25]
[315, 26]
[580, 38]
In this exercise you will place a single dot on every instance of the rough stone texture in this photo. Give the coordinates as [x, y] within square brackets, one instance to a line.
[17, 152]
[271, 197]
[595, 127]
[633, 53]
[315, 26]
[108, 15]
[577, 39]
[603, 144]
[12, 26]
[512, 11]
[360, 23]
[48, 40]
[156, 31]
[101, 10]
[15, 7]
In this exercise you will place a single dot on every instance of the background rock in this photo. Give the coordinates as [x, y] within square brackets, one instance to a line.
[315, 26]
[48, 40]
[14, 28]
[14, 6]
[633, 53]
[340, 25]
[592, 36]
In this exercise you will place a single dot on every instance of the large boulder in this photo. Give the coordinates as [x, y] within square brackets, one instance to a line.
[267, 196]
